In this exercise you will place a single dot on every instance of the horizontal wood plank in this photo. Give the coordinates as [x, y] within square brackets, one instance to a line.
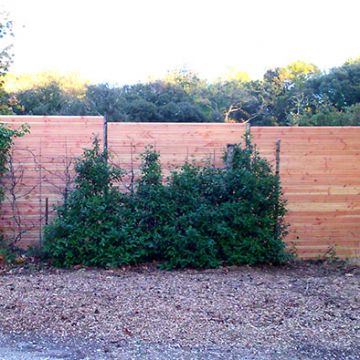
[319, 169]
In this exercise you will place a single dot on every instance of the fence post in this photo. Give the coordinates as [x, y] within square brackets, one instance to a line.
[39, 166]
[247, 128]
[247, 135]
[277, 174]
[229, 156]
[105, 136]
[277, 159]
[46, 211]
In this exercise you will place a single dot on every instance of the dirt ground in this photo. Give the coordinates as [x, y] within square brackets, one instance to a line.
[302, 311]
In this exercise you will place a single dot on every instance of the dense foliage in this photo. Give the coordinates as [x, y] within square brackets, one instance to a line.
[298, 94]
[330, 116]
[199, 217]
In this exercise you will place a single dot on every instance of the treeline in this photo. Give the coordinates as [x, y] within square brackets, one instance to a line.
[299, 94]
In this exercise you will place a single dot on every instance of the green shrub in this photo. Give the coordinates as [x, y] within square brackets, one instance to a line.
[200, 217]
[226, 217]
[87, 228]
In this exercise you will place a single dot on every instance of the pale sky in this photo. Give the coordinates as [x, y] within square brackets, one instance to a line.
[126, 41]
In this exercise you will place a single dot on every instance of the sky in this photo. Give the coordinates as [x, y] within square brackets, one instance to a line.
[127, 41]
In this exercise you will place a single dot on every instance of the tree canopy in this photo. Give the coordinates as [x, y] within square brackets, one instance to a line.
[297, 94]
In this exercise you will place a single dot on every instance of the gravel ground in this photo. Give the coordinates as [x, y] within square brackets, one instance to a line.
[303, 311]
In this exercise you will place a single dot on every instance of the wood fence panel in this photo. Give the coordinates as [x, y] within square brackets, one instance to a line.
[40, 162]
[319, 170]
[320, 175]
[176, 142]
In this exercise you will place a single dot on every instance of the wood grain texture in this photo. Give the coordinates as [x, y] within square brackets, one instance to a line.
[39, 162]
[319, 170]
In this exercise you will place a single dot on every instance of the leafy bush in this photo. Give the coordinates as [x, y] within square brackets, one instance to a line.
[87, 228]
[225, 217]
[200, 217]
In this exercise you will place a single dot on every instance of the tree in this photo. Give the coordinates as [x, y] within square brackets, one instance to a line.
[330, 116]
[104, 99]
[296, 71]
[285, 96]
[6, 57]
[229, 101]
[154, 101]
[285, 88]
[50, 100]
[340, 87]
[234, 74]
[71, 84]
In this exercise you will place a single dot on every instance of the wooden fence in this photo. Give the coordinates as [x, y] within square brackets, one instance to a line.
[319, 169]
